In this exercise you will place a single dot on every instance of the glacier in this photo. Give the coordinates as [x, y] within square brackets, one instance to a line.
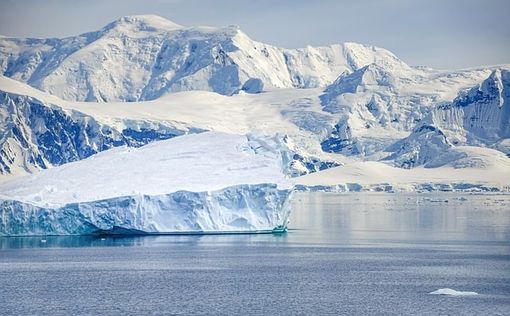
[472, 169]
[236, 209]
[200, 183]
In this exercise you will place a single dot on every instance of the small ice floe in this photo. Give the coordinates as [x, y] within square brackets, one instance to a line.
[433, 200]
[43, 240]
[452, 292]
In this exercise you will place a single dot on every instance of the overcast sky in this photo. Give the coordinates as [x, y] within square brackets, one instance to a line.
[437, 33]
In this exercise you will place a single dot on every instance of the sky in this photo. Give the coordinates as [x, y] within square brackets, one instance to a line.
[444, 34]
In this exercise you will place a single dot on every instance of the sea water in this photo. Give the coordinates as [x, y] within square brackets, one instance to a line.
[362, 253]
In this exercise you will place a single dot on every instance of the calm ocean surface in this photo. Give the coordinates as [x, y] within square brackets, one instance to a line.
[353, 254]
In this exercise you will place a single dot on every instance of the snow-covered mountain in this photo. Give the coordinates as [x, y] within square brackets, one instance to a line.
[36, 133]
[144, 57]
[336, 104]
[40, 131]
[377, 106]
[479, 116]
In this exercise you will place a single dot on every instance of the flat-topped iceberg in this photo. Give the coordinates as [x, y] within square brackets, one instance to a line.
[209, 182]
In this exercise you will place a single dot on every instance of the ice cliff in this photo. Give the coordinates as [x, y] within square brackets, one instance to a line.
[208, 182]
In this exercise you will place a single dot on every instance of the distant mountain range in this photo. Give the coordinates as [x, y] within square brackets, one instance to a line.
[140, 58]
[334, 104]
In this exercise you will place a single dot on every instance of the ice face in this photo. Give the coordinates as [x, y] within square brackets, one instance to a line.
[208, 182]
[242, 208]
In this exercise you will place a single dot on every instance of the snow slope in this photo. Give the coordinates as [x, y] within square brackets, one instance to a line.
[294, 112]
[319, 136]
[474, 169]
[203, 182]
[144, 57]
[36, 134]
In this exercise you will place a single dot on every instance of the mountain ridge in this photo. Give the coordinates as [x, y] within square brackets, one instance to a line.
[336, 104]
[147, 56]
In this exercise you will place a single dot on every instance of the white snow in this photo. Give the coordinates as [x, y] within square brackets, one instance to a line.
[296, 113]
[375, 106]
[293, 112]
[238, 114]
[480, 115]
[200, 162]
[480, 167]
[451, 292]
[477, 117]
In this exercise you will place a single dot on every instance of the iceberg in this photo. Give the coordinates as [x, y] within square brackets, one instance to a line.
[201, 183]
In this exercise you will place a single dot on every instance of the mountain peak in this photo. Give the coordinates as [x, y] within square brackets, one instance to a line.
[142, 57]
[362, 79]
[146, 23]
[498, 80]
[496, 88]
[373, 74]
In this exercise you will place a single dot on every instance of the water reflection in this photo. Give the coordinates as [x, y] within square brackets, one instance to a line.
[69, 241]
[402, 217]
[138, 241]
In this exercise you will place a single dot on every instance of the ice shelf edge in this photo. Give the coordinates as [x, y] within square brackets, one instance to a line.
[258, 208]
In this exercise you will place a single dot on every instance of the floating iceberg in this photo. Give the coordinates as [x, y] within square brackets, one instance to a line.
[447, 291]
[208, 182]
